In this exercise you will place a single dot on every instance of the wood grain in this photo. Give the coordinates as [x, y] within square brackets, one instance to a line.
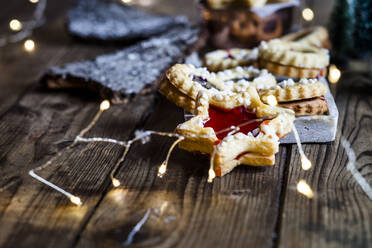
[340, 213]
[233, 211]
[250, 207]
[30, 137]
[20, 70]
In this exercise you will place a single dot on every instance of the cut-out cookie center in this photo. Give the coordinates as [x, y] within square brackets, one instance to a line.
[221, 119]
[235, 80]
[302, 35]
[303, 50]
[203, 82]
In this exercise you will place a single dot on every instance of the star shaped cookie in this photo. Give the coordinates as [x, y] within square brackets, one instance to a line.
[235, 129]
[183, 82]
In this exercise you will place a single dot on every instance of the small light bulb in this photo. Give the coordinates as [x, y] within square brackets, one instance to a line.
[211, 175]
[29, 45]
[305, 163]
[304, 188]
[76, 200]
[308, 14]
[162, 169]
[15, 25]
[115, 182]
[105, 105]
[271, 100]
[334, 74]
[34, 1]
[126, 1]
[163, 206]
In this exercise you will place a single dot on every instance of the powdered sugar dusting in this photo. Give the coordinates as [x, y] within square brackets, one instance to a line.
[131, 69]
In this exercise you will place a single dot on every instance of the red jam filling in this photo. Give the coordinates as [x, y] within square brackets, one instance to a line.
[220, 119]
[229, 55]
[321, 72]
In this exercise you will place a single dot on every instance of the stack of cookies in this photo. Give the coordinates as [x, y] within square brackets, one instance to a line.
[241, 110]
[300, 57]
[231, 123]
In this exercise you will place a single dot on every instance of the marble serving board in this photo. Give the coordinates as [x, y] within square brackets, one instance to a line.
[311, 129]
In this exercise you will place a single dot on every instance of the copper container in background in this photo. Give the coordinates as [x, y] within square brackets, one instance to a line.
[241, 27]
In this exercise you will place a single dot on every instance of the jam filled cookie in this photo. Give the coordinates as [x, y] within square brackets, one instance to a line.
[225, 59]
[238, 79]
[236, 129]
[303, 97]
[174, 95]
[182, 83]
[292, 59]
[190, 80]
[315, 36]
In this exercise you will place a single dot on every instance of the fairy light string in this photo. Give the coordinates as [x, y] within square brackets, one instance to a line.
[351, 166]
[144, 136]
[163, 166]
[302, 187]
[105, 105]
[211, 173]
[25, 29]
[139, 135]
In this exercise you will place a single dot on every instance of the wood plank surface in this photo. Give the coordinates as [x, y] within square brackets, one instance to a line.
[32, 210]
[21, 70]
[250, 207]
[340, 214]
[232, 211]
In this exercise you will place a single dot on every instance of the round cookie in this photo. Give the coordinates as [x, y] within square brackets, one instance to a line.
[314, 36]
[190, 80]
[303, 97]
[240, 78]
[288, 90]
[219, 60]
[292, 59]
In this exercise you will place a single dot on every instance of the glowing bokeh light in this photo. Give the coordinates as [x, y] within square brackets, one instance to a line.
[162, 169]
[105, 105]
[271, 100]
[76, 200]
[307, 14]
[211, 175]
[115, 182]
[305, 163]
[304, 188]
[29, 45]
[334, 74]
[15, 25]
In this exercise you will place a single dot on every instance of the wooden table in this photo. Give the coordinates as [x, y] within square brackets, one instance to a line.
[250, 207]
